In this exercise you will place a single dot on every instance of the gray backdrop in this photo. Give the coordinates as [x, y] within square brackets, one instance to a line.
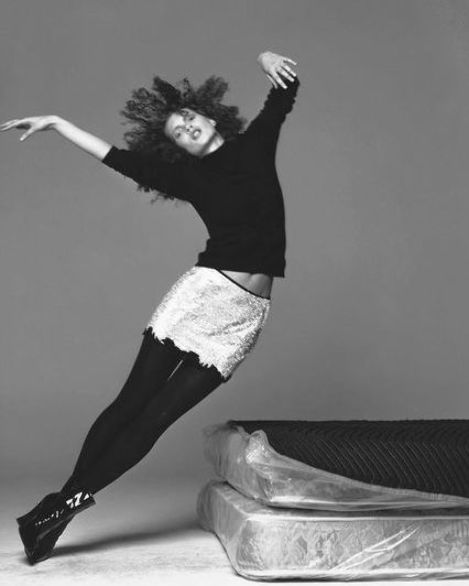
[371, 321]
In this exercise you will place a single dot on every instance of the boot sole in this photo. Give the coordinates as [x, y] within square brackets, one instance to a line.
[45, 547]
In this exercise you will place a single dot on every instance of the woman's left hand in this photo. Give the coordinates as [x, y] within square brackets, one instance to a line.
[273, 65]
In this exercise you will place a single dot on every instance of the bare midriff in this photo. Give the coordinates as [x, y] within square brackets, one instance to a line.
[258, 283]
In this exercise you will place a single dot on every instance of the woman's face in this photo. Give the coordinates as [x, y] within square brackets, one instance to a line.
[191, 131]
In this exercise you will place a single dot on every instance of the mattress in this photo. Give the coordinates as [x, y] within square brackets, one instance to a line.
[264, 543]
[344, 465]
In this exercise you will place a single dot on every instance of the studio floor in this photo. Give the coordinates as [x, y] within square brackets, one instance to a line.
[145, 533]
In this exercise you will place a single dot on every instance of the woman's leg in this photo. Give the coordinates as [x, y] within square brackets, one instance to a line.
[153, 366]
[190, 383]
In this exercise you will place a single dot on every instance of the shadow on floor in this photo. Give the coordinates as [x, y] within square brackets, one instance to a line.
[153, 533]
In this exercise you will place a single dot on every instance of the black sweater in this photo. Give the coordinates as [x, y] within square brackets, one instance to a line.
[234, 189]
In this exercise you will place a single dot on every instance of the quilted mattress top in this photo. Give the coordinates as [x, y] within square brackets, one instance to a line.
[430, 455]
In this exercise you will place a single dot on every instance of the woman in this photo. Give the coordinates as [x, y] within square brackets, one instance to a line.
[185, 145]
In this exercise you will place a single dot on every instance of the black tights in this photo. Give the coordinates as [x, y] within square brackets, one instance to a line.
[163, 384]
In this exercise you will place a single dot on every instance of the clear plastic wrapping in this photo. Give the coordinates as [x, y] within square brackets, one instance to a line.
[264, 543]
[254, 468]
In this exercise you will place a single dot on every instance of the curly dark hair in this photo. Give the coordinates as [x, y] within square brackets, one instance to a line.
[148, 111]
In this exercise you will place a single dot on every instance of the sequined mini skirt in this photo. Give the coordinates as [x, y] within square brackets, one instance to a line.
[207, 313]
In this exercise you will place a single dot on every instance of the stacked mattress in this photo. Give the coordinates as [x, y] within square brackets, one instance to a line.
[340, 500]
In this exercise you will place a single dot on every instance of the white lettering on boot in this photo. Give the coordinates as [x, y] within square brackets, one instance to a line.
[77, 499]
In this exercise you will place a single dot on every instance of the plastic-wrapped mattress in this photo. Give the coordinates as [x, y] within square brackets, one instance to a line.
[344, 465]
[264, 543]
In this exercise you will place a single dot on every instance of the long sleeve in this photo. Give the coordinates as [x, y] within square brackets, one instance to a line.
[278, 104]
[148, 171]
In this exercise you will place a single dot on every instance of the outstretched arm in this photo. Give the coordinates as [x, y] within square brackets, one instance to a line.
[85, 140]
[279, 101]
[146, 170]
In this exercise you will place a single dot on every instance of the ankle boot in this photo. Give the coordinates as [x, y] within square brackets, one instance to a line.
[47, 543]
[40, 528]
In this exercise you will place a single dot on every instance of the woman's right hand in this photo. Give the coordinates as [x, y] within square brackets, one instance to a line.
[33, 124]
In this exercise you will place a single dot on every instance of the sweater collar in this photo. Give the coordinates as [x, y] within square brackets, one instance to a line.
[217, 154]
